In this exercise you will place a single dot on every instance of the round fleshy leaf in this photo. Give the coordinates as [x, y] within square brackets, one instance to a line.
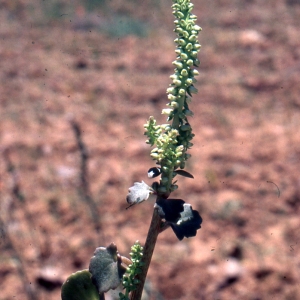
[107, 268]
[79, 286]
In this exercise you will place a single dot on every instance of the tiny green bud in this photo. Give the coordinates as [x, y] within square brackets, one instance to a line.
[182, 24]
[178, 162]
[165, 169]
[182, 42]
[181, 92]
[180, 14]
[171, 90]
[154, 155]
[184, 72]
[174, 104]
[177, 64]
[177, 82]
[189, 81]
[196, 46]
[197, 28]
[192, 38]
[183, 56]
[189, 46]
[178, 51]
[171, 97]
[166, 111]
[190, 62]
[185, 34]
[179, 148]
[195, 72]
[194, 54]
[178, 154]
[165, 127]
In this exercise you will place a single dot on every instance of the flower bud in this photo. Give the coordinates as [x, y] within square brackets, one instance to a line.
[195, 72]
[185, 34]
[182, 24]
[197, 46]
[174, 104]
[154, 155]
[194, 54]
[182, 42]
[190, 62]
[166, 111]
[189, 81]
[184, 72]
[197, 28]
[177, 82]
[180, 14]
[171, 97]
[171, 90]
[192, 38]
[181, 92]
[178, 51]
[165, 169]
[183, 56]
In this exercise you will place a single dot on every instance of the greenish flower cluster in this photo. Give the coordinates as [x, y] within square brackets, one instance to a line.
[173, 140]
[130, 282]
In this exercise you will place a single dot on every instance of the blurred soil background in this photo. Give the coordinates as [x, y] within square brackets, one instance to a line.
[78, 81]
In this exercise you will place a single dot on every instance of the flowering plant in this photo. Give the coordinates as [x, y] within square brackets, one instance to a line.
[170, 142]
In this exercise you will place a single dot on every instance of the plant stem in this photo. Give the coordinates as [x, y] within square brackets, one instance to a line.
[101, 296]
[147, 253]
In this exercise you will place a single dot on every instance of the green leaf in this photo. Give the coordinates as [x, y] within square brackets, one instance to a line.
[184, 173]
[79, 286]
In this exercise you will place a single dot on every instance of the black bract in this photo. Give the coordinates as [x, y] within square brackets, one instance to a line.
[182, 218]
[154, 172]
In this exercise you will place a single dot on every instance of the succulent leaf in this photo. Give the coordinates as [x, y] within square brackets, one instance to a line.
[79, 286]
[107, 268]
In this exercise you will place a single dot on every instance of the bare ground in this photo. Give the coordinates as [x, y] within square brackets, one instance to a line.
[59, 67]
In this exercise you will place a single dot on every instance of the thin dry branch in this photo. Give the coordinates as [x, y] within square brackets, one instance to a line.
[84, 188]
[31, 291]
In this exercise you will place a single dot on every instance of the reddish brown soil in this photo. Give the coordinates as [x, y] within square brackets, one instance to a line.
[56, 70]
